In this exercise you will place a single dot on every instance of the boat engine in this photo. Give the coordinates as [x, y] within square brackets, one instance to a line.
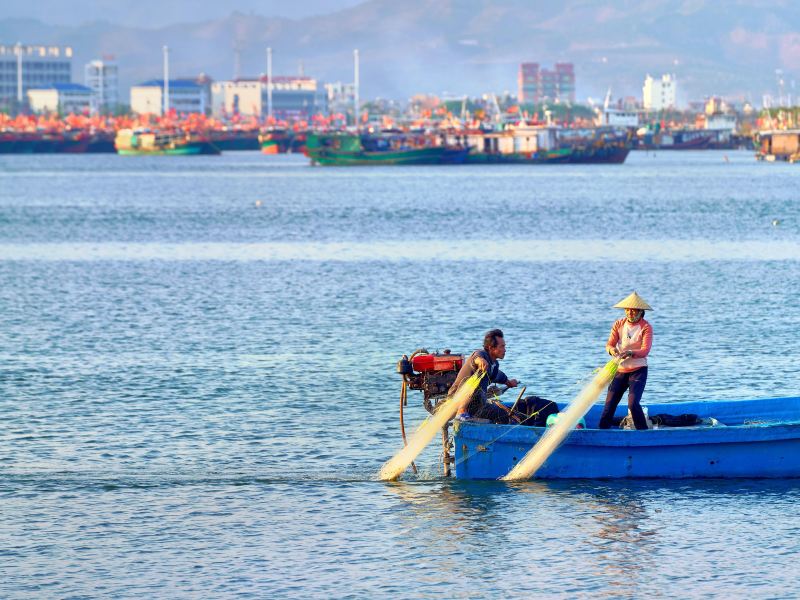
[433, 374]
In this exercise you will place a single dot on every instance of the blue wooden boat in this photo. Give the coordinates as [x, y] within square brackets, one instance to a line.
[754, 438]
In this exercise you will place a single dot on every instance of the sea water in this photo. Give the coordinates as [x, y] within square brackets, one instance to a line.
[198, 385]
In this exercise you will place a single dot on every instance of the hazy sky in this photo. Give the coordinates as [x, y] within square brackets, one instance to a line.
[157, 13]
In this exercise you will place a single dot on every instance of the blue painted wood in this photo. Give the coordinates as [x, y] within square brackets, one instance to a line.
[761, 438]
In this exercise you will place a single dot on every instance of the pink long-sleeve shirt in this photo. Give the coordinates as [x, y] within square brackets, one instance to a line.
[636, 337]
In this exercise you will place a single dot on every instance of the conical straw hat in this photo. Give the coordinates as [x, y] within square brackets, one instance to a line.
[633, 301]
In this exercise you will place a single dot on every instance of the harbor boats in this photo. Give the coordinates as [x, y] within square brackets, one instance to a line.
[234, 139]
[778, 145]
[749, 438]
[55, 142]
[513, 145]
[724, 439]
[676, 139]
[342, 149]
[603, 145]
[138, 142]
[543, 144]
[282, 141]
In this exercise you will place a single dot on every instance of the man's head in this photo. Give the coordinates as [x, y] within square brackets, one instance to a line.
[494, 344]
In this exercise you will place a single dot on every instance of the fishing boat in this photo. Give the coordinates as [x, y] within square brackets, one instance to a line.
[543, 144]
[513, 145]
[749, 438]
[778, 145]
[676, 139]
[146, 142]
[598, 146]
[234, 139]
[381, 149]
[282, 141]
[728, 439]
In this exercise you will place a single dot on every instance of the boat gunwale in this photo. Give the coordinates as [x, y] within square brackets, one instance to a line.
[629, 438]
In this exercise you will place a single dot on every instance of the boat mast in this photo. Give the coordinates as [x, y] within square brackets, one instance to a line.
[269, 83]
[166, 80]
[19, 74]
[355, 88]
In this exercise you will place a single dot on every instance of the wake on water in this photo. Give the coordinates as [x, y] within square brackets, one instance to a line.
[422, 436]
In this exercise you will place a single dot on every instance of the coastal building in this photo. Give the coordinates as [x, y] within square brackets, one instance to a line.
[293, 98]
[62, 98]
[23, 67]
[619, 117]
[101, 76]
[659, 94]
[185, 96]
[537, 85]
[340, 96]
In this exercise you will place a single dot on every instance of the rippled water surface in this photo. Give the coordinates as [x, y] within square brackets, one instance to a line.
[197, 381]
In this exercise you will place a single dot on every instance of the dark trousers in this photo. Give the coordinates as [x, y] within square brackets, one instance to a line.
[633, 382]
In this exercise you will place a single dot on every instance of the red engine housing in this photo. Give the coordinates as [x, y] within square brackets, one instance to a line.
[425, 363]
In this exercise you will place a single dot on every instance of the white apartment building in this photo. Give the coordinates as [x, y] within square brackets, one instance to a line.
[184, 96]
[23, 67]
[63, 98]
[659, 94]
[101, 76]
[292, 97]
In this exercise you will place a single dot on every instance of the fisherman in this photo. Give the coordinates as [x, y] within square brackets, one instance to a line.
[630, 340]
[477, 406]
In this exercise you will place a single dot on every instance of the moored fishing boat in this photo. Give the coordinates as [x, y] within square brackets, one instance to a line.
[341, 149]
[281, 141]
[778, 145]
[514, 145]
[543, 144]
[146, 142]
[677, 139]
[234, 139]
[274, 141]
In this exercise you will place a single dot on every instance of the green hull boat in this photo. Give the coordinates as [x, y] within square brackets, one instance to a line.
[189, 149]
[353, 150]
[148, 143]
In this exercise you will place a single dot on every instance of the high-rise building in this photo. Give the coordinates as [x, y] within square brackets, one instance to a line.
[538, 85]
[529, 83]
[659, 94]
[101, 76]
[565, 82]
[23, 67]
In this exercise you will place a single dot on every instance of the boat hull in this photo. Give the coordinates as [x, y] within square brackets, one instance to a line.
[614, 155]
[187, 149]
[762, 440]
[526, 158]
[420, 156]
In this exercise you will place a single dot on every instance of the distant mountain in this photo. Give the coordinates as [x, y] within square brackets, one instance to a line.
[469, 46]
[160, 13]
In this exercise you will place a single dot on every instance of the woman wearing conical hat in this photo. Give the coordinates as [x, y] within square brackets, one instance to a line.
[631, 339]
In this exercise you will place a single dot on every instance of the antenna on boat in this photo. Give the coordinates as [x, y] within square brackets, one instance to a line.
[355, 87]
[269, 83]
[18, 50]
[237, 59]
[166, 80]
